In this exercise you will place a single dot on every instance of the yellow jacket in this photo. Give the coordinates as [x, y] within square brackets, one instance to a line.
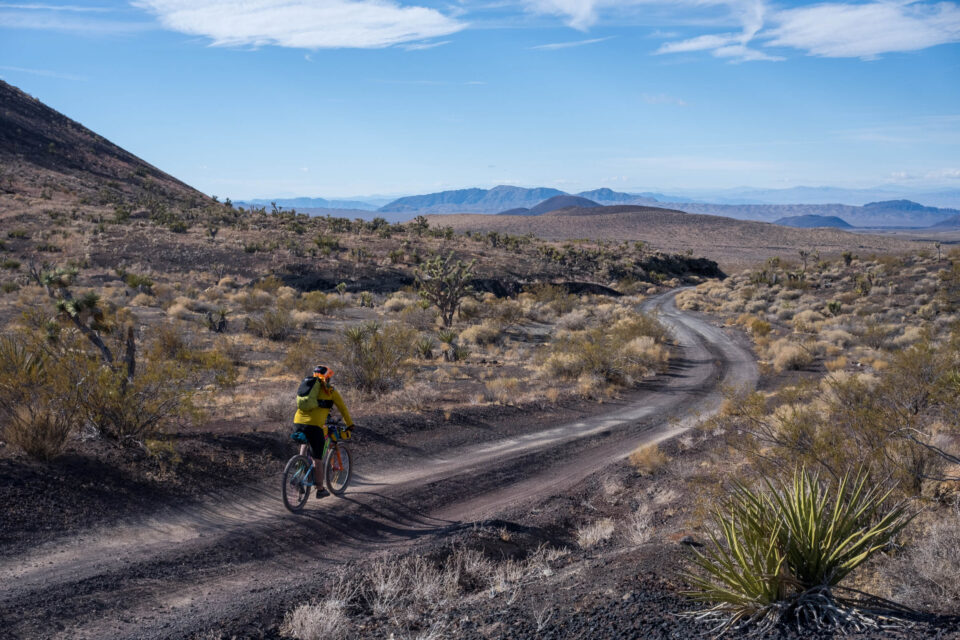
[328, 397]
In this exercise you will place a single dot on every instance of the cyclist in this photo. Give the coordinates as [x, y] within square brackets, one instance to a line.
[315, 397]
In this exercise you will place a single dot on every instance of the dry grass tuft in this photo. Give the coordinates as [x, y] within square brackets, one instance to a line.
[648, 459]
[593, 534]
[501, 390]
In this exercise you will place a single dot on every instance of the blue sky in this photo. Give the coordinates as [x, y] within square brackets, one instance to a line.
[341, 98]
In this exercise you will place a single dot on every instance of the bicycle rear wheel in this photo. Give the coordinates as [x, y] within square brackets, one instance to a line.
[337, 469]
[294, 489]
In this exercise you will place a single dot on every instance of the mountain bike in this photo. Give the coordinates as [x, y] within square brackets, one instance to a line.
[299, 475]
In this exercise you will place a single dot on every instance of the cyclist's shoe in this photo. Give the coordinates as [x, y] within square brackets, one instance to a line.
[321, 492]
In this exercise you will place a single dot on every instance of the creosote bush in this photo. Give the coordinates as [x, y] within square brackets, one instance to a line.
[372, 355]
[623, 353]
[277, 325]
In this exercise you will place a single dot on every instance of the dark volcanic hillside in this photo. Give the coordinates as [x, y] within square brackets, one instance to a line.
[42, 152]
[552, 204]
[812, 222]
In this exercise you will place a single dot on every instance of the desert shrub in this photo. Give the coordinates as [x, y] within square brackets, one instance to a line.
[576, 320]
[557, 298]
[469, 309]
[418, 317]
[789, 355]
[275, 325]
[759, 328]
[648, 459]
[324, 620]
[590, 535]
[372, 355]
[320, 302]
[10, 264]
[613, 353]
[270, 284]
[782, 551]
[501, 390]
[489, 332]
[889, 426]
[837, 364]
[37, 413]
[253, 300]
[394, 305]
[300, 357]
[924, 574]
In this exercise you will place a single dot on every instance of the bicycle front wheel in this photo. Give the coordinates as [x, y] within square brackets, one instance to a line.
[294, 487]
[337, 469]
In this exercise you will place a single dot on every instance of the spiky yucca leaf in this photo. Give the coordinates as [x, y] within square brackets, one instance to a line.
[779, 547]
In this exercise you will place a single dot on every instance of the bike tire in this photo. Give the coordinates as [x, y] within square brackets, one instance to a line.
[334, 478]
[295, 493]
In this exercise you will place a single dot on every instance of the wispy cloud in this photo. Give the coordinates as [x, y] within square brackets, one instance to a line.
[662, 98]
[566, 45]
[420, 46]
[866, 30]
[833, 30]
[44, 72]
[66, 18]
[55, 7]
[303, 24]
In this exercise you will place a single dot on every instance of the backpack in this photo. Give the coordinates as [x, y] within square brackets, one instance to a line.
[307, 395]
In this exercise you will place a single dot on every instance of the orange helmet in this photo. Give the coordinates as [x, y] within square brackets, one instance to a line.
[323, 372]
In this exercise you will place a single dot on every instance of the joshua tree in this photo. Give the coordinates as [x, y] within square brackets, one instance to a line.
[84, 313]
[445, 283]
[419, 225]
[938, 246]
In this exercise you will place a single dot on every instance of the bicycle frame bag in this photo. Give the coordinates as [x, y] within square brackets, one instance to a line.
[307, 395]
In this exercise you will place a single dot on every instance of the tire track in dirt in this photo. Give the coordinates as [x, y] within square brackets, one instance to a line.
[165, 576]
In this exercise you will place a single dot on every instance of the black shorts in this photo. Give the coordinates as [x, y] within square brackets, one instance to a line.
[314, 437]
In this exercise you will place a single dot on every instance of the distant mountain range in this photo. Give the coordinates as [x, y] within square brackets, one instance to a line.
[309, 203]
[473, 200]
[527, 201]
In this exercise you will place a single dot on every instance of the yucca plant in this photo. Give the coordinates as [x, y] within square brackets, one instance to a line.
[783, 550]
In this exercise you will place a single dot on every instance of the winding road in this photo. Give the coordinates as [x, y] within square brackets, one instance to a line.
[171, 575]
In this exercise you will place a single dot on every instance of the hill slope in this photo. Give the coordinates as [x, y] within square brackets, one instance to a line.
[813, 221]
[733, 243]
[44, 153]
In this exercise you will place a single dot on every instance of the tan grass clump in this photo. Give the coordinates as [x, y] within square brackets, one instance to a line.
[501, 390]
[648, 459]
[488, 332]
[592, 534]
[789, 355]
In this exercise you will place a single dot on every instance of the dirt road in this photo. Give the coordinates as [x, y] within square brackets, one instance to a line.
[169, 575]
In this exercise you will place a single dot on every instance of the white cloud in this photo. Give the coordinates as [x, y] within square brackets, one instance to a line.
[836, 30]
[37, 17]
[55, 7]
[866, 30]
[566, 45]
[302, 23]
[420, 46]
